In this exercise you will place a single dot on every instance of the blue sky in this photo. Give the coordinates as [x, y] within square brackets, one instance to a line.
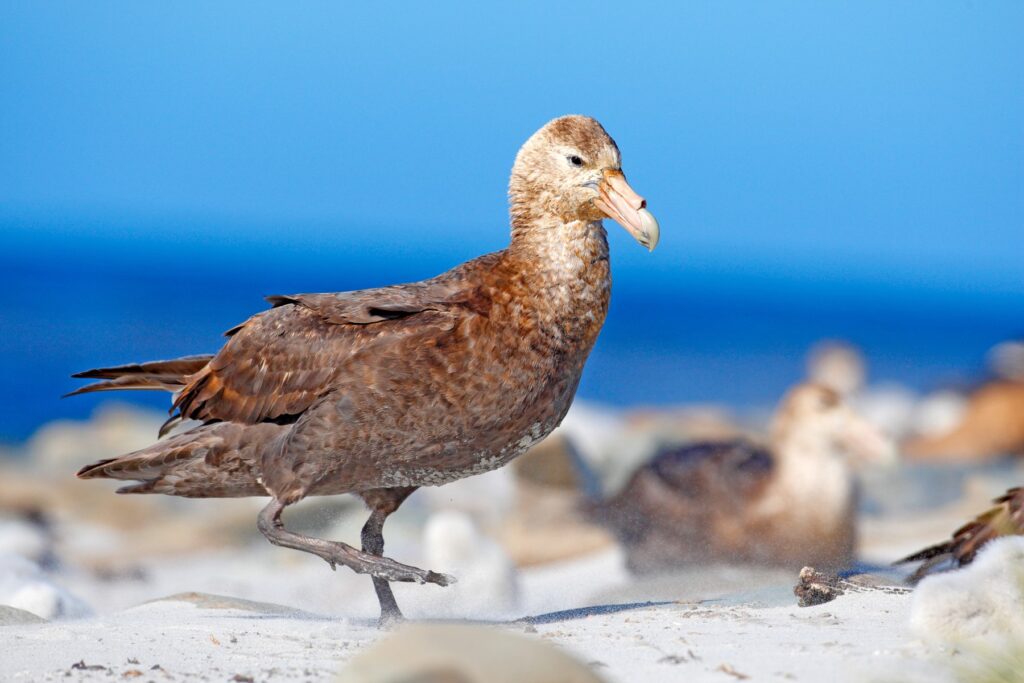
[873, 143]
[819, 169]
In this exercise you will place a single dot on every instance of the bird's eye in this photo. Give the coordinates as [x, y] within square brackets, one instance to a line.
[575, 160]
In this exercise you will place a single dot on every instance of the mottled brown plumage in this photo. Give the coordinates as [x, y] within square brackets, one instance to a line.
[737, 502]
[380, 391]
[1005, 519]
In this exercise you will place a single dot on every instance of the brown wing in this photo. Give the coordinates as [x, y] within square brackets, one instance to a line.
[724, 472]
[691, 483]
[1005, 519]
[277, 363]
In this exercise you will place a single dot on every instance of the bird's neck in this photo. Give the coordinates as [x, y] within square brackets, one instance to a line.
[554, 244]
[809, 464]
[565, 266]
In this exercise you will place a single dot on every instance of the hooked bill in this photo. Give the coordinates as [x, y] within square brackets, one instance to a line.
[620, 203]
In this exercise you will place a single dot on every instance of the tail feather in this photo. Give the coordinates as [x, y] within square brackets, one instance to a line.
[95, 469]
[169, 424]
[932, 551]
[166, 375]
[146, 463]
[218, 460]
[186, 365]
[127, 382]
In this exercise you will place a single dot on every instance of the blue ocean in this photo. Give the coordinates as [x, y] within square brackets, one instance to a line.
[736, 339]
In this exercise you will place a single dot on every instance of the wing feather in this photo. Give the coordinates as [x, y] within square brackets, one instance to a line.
[279, 362]
[1005, 519]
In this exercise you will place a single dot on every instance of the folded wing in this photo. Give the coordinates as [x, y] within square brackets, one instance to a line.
[1006, 518]
[277, 363]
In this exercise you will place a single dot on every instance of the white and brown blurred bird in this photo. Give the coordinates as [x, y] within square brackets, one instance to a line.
[380, 391]
[791, 503]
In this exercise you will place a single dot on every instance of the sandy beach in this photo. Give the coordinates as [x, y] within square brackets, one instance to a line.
[862, 637]
[161, 589]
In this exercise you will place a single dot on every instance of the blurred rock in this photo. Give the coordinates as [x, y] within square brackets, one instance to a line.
[64, 446]
[602, 443]
[92, 527]
[26, 538]
[488, 585]
[591, 427]
[434, 653]
[209, 601]
[548, 524]
[938, 413]
[12, 616]
[89, 523]
[1007, 360]
[890, 407]
[24, 585]
[992, 424]
[549, 463]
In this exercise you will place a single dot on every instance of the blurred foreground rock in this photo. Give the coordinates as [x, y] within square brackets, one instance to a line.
[12, 616]
[436, 653]
[210, 601]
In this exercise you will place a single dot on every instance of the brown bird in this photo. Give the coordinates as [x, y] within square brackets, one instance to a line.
[992, 425]
[790, 504]
[1006, 518]
[380, 391]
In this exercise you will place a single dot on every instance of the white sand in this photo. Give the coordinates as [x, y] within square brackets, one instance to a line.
[859, 637]
[757, 633]
[720, 624]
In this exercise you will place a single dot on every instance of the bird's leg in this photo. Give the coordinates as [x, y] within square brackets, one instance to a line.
[382, 503]
[335, 553]
[373, 543]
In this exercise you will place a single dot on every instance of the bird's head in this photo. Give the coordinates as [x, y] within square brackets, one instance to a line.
[815, 418]
[571, 170]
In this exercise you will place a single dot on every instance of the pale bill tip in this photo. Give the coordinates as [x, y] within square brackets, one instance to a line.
[650, 229]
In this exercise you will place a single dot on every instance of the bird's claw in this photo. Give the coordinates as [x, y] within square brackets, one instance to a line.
[379, 567]
[440, 579]
[404, 573]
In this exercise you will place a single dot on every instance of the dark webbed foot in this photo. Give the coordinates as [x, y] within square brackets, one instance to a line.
[335, 553]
